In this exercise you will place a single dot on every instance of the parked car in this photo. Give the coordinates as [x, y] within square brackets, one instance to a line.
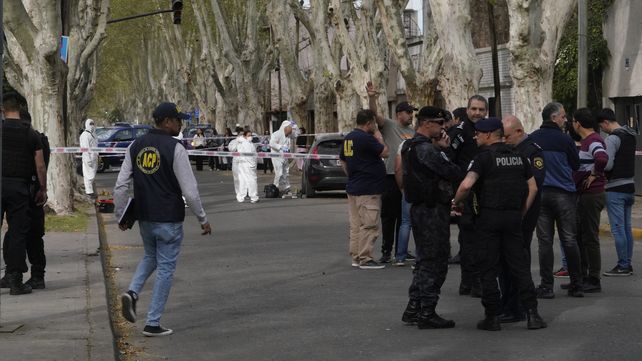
[323, 174]
[120, 136]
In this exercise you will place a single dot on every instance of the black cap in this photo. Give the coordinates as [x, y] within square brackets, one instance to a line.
[431, 113]
[487, 125]
[168, 110]
[405, 107]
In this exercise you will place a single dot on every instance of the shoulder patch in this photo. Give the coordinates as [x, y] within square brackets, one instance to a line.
[538, 162]
[470, 165]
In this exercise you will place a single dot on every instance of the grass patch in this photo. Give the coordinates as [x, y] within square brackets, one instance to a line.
[76, 222]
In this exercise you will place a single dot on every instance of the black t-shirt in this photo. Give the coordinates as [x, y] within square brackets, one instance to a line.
[366, 170]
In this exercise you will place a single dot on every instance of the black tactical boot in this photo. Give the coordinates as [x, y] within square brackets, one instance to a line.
[16, 286]
[36, 282]
[410, 314]
[430, 319]
[534, 320]
[490, 323]
[4, 282]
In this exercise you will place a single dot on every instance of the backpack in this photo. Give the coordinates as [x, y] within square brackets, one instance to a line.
[271, 191]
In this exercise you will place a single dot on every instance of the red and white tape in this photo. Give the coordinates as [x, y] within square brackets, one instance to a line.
[116, 151]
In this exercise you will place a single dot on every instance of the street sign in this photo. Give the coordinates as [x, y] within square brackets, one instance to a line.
[64, 48]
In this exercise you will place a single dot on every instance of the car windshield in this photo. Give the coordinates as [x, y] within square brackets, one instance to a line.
[105, 133]
[329, 147]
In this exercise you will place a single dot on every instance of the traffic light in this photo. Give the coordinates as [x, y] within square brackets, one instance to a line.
[177, 7]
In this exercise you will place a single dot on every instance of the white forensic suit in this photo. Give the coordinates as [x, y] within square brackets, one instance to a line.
[233, 147]
[280, 143]
[247, 171]
[89, 159]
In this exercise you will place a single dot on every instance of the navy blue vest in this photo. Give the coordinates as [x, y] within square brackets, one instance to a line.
[156, 189]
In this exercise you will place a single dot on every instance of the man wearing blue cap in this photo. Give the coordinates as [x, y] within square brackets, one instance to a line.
[162, 174]
[503, 190]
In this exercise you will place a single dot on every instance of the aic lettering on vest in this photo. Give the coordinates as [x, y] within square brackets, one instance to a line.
[148, 160]
[347, 148]
[508, 161]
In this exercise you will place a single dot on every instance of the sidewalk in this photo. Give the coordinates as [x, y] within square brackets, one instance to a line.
[69, 319]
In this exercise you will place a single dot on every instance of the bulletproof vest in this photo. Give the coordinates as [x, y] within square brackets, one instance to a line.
[17, 152]
[504, 185]
[420, 184]
[624, 162]
[156, 190]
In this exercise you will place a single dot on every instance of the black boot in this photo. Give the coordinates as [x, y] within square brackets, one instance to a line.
[490, 323]
[534, 320]
[36, 282]
[429, 319]
[16, 286]
[411, 312]
[4, 282]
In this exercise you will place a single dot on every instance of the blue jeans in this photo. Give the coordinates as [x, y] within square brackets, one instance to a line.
[404, 231]
[618, 206]
[162, 243]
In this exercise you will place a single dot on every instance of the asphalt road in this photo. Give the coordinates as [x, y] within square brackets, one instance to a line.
[274, 282]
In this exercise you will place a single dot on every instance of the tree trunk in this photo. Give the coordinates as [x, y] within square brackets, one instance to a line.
[460, 72]
[535, 32]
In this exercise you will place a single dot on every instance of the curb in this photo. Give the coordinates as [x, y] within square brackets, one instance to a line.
[605, 230]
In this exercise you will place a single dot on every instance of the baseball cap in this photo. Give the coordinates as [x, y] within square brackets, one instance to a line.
[168, 110]
[431, 113]
[405, 107]
[487, 125]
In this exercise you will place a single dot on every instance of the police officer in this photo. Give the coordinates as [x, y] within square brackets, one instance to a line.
[463, 149]
[514, 135]
[428, 176]
[21, 158]
[504, 190]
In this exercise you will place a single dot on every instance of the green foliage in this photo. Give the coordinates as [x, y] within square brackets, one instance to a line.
[565, 76]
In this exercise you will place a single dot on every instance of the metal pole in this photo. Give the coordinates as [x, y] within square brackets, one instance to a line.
[582, 67]
[493, 39]
[138, 16]
[1, 125]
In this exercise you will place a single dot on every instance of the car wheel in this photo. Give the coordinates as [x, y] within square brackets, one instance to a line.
[308, 190]
[102, 165]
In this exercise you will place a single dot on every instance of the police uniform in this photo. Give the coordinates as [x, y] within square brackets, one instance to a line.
[19, 144]
[500, 192]
[462, 150]
[511, 308]
[428, 176]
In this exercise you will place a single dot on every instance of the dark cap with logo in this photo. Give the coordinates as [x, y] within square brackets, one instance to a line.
[405, 107]
[168, 110]
[431, 113]
[487, 125]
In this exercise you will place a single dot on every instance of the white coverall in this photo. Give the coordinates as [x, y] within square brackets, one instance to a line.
[89, 159]
[233, 147]
[279, 142]
[246, 171]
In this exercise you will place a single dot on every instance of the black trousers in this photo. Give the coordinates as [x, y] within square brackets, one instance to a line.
[510, 295]
[199, 159]
[499, 237]
[15, 204]
[467, 239]
[35, 244]
[390, 215]
[431, 230]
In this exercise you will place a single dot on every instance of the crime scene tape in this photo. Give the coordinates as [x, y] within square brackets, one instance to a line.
[211, 153]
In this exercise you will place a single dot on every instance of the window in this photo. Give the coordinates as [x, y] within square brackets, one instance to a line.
[124, 135]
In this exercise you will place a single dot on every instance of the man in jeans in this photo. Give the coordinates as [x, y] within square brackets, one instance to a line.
[620, 188]
[360, 156]
[162, 176]
[394, 132]
[559, 200]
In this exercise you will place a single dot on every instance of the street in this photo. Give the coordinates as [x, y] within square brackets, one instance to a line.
[274, 282]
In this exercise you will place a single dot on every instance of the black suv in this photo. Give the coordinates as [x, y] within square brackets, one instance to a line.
[323, 174]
